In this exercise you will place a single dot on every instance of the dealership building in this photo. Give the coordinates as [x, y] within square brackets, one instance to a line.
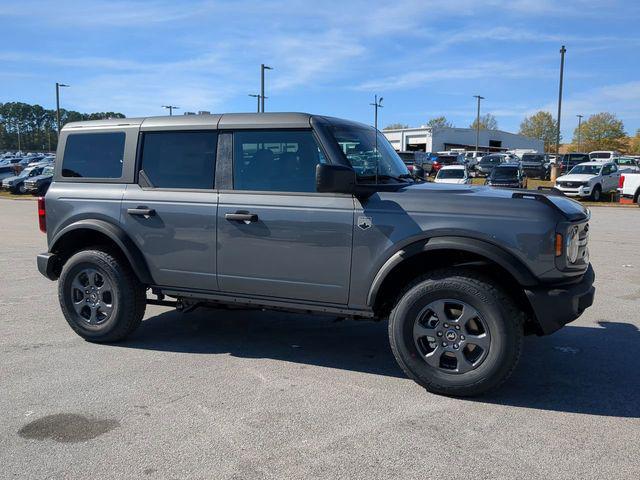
[437, 139]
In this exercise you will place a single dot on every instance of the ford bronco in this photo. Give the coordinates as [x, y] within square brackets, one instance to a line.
[308, 213]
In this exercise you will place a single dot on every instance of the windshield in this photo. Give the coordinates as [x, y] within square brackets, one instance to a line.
[626, 161]
[600, 155]
[585, 169]
[47, 171]
[359, 147]
[490, 160]
[504, 172]
[457, 173]
[532, 158]
[26, 172]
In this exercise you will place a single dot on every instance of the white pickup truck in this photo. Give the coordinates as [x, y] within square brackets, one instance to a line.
[629, 186]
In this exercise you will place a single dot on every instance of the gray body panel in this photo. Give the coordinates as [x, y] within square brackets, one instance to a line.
[299, 248]
[179, 240]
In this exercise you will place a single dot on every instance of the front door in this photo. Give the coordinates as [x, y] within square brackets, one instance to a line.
[171, 213]
[278, 237]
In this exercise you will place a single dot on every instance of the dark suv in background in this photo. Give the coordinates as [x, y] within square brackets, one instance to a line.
[536, 165]
[306, 213]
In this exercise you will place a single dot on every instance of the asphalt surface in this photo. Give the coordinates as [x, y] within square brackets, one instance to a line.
[216, 394]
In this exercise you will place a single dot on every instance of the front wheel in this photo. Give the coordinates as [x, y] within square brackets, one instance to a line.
[455, 333]
[100, 296]
[596, 193]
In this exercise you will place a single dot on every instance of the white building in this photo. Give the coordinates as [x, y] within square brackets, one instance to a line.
[438, 139]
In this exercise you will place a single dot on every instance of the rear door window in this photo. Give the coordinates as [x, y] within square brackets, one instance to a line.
[94, 155]
[179, 159]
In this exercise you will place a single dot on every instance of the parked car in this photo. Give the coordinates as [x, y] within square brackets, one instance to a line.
[536, 165]
[417, 160]
[570, 160]
[473, 157]
[16, 184]
[6, 171]
[508, 175]
[589, 180]
[39, 184]
[447, 158]
[627, 164]
[460, 273]
[629, 186]
[603, 155]
[488, 162]
[453, 174]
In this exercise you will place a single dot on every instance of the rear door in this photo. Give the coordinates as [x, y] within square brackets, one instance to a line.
[278, 237]
[171, 212]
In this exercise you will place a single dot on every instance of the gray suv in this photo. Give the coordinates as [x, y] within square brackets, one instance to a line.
[308, 213]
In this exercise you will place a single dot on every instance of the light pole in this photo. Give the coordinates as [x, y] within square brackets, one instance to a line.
[579, 132]
[478, 123]
[377, 103]
[171, 108]
[258, 96]
[562, 52]
[58, 86]
[263, 67]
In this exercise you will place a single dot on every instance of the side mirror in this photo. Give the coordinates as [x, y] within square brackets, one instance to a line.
[418, 171]
[335, 179]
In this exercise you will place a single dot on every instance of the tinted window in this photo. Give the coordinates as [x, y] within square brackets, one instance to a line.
[179, 159]
[278, 161]
[505, 172]
[93, 155]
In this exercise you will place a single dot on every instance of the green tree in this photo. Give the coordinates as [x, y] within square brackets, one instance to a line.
[634, 143]
[602, 131]
[487, 122]
[37, 125]
[395, 126]
[542, 126]
[439, 122]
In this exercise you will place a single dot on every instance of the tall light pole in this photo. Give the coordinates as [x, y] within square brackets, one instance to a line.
[579, 132]
[258, 96]
[562, 52]
[58, 86]
[171, 108]
[263, 67]
[377, 103]
[478, 123]
[18, 127]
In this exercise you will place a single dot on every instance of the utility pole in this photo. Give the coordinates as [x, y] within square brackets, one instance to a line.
[376, 105]
[58, 86]
[263, 67]
[478, 123]
[562, 52]
[18, 127]
[258, 96]
[171, 108]
[579, 132]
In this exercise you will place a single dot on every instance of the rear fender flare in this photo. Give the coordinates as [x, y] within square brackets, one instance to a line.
[117, 235]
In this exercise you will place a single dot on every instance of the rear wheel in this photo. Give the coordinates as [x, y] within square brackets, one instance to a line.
[455, 334]
[100, 296]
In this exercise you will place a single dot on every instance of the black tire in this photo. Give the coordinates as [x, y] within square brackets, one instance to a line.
[501, 316]
[128, 296]
[596, 194]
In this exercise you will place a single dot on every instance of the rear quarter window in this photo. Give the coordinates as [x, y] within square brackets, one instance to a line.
[93, 155]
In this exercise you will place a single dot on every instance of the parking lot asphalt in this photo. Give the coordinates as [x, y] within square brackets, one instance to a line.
[219, 394]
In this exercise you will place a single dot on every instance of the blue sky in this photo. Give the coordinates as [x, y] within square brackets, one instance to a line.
[426, 58]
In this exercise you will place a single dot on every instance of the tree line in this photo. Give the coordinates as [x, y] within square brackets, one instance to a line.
[33, 128]
[601, 131]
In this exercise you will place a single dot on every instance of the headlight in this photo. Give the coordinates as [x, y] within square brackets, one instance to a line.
[573, 244]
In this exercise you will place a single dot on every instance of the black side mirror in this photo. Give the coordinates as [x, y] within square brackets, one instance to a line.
[335, 179]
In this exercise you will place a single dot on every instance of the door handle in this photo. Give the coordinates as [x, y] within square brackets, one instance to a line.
[241, 217]
[142, 211]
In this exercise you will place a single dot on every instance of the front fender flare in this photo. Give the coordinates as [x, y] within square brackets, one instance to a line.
[466, 244]
[117, 235]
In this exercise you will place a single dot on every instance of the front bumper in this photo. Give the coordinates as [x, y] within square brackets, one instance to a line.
[575, 191]
[48, 265]
[556, 305]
